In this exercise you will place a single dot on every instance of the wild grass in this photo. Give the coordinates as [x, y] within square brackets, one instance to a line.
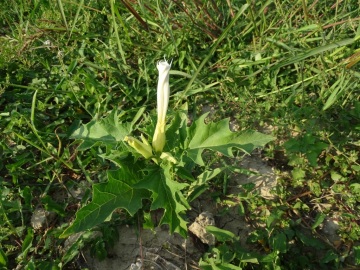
[283, 67]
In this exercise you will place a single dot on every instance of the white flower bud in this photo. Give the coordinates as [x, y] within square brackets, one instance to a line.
[163, 94]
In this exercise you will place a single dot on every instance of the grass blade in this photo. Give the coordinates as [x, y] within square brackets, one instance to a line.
[76, 16]
[122, 53]
[313, 52]
[212, 50]
[62, 13]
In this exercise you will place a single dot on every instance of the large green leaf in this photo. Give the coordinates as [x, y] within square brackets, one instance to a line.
[166, 194]
[218, 137]
[116, 193]
[107, 130]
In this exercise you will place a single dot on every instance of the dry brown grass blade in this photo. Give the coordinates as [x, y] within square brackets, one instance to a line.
[207, 27]
[136, 15]
[353, 60]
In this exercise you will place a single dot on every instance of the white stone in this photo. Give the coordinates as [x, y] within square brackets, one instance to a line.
[198, 227]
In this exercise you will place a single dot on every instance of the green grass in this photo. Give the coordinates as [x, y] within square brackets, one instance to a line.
[287, 67]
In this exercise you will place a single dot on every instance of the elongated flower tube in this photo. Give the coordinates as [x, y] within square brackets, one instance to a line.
[163, 93]
[143, 148]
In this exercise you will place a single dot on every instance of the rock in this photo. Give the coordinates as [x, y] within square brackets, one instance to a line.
[40, 218]
[330, 227]
[198, 227]
[264, 180]
[78, 192]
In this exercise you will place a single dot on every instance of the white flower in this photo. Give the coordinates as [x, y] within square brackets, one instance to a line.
[163, 93]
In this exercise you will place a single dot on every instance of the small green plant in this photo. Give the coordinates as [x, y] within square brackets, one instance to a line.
[159, 174]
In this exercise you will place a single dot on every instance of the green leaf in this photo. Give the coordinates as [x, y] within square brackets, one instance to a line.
[27, 195]
[355, 168]
[314, 151]
[225, 266]
[3, 259]
[329, 256]
[51, 205]
[336, 91]
[220, 234]
[309, 240]
[298, 174]
[218, 137]
[27, 243]
[318, 220]
[241, 209]
[275, 215]
[107, 130]
[166, 194]
[357, 255]
[116, 193]
[270, 258]
[278, 242]
[199, 186]
[336, 176]
[355, 189]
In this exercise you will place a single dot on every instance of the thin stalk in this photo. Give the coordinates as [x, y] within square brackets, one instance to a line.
[113, 17]
[62, 13]
[12, 228]
[76, 16]
[43, 150]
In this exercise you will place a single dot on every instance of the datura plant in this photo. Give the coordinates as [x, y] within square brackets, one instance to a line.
[160, 172]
